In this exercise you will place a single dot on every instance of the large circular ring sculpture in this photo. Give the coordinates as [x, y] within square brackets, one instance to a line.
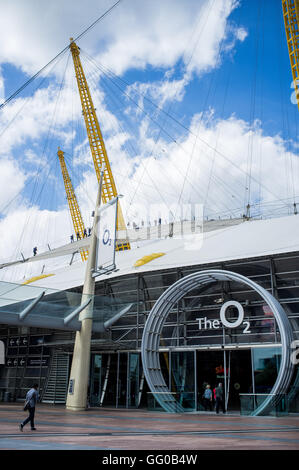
[157, 317]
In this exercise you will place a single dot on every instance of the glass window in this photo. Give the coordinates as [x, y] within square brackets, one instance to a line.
[134, 368]
[183, 378]
[266, 363]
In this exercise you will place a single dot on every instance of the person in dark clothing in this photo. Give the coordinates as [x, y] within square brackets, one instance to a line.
[219, 398]
[85, 233]
[78, 236]
[89, 231]
[31, 400]
[72, 238]
[34, 251]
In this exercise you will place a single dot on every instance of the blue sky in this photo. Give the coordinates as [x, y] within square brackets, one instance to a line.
[215, 66]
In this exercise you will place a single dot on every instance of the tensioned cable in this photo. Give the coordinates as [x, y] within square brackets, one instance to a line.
[102, 68]
[290, 184]
[247, 195]
[61, 52]
[52, 123]
[204, 21]
[172, 118]
[180, 146]
[158, 124]
[194, 188]
[152, 180]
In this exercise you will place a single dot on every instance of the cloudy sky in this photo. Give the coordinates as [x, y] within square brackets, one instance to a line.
[194, 98]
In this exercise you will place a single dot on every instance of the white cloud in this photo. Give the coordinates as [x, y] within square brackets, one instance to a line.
[135, 34]
[12, 181]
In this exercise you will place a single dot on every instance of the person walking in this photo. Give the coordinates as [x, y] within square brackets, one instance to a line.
[208, 398]
[30, 403]
[219, 398]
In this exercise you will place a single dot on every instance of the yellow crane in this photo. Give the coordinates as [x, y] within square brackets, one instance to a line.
[73, 203]
[291, 21]
[96, 141]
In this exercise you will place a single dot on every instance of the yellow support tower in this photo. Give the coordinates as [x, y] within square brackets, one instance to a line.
[291, 21]
[96, 141]
[73, 203]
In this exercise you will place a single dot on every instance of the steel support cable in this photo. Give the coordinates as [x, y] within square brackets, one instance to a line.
[222, 114]
[161, 127]
[94, 85]
[142, 110]
[215, 77]
[260, 154]
[77, 179]
[209, 9]
[217, 137]
[186, 128]
[92, 79]
[145, 170]
[266, 204]
[247, 197]
[58, 55]
[172, 138]
[36, 199]
[33, 177]
[154, 185]
[36, 176]
[290, 183]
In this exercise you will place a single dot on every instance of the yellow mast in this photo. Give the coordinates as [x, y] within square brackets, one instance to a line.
[96, 141]
[291, 21]
[73, 203]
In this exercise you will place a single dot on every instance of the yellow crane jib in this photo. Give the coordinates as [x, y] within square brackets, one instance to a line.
[290, 10]
[73, 203]
[96, 141]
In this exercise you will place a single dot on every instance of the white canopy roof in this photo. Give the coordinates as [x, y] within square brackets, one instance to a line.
[246, 240]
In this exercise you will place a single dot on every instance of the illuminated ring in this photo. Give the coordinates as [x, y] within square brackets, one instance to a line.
[158, 315]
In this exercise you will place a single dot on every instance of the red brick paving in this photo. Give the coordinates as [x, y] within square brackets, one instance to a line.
[117, 428]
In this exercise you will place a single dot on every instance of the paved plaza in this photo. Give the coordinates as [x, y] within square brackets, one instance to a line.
[122, 429]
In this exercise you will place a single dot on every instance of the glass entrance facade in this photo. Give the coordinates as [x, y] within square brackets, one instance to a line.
[117, 379]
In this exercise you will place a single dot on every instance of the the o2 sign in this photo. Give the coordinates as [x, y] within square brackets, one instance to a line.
[205, 324]
[107, 238]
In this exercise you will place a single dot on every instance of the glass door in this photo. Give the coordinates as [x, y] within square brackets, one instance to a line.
[134, 379]
[238, 377]
[182, 378]
[211, 371]
[122, 375]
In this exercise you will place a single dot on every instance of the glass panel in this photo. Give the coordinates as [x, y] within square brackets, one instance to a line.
[96, 380]
[122, 380]
[134, 360]
[250, 402]
[183, 378]
[109, 368]
[266, 362]
[239, 376]
[57, 304]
